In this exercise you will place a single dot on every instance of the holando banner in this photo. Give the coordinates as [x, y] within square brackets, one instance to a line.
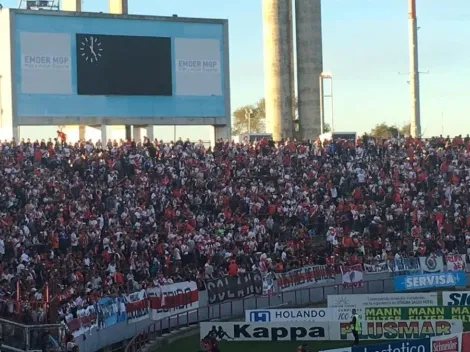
[288, 314]
[399, 329]
[419, 313]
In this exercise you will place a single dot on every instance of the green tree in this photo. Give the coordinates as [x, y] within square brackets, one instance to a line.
[384, 131]
[326, 128]
[405, 130]
[250, 118]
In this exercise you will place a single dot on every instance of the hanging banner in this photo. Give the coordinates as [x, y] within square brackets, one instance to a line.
[456, 262]
[304, 277]
[418, 313]
[234, 287]
[137, 308]
[172, 299]
[403, 266]
[377, 268]
[85, 320]
[352, 276]
[113, 311]
[431, 264]
[268, 284]
[398, 329]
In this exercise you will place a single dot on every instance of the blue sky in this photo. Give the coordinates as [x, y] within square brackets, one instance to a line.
[365, 46]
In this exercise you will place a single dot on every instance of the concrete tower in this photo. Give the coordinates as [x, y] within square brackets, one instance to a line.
[278, 67]
[414, 71]
[309, 65]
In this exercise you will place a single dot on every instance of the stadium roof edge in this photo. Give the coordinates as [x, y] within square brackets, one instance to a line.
[109, 15]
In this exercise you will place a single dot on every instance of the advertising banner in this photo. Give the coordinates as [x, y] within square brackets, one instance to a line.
[419, 313]
[456, 298]
[376, 268]
[398, 329]
[451, 343]
[229, 287]
[137, 308]
[268, 284]
[341, 305]
[304, 277]
[352, 276]
[198, 67]
[240, 331]
[46, 57]
[345, 349]
[287, 315]
[456, 262]
[113, 311]
[431, 264]
[423, 281]
[465, 346]
[418, 345]
[85, 320]
[403, 266]
[168, 300]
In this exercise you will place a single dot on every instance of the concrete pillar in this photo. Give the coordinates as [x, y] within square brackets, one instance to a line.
[150, 133]
[309, 65]
[81, 132]
[277, 35]
[71, 5]
[138, 134]
[16, 133]
[104, 134]
[220, 132]
[128, 134]
[118, 7]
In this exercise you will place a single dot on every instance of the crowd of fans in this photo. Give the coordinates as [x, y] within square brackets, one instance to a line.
[86, 220]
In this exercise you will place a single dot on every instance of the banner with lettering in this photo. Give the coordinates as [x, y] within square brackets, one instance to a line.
[352, 276]
[376, 268]
[83, 321]
[431, 264]
[417, 313]
[304, 277]
[403, 266]
[234, 287]
[111, 311]
[173, 299]
[137, 307]
[456, 262]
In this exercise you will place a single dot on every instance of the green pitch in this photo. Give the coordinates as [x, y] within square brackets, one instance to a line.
[191, 344]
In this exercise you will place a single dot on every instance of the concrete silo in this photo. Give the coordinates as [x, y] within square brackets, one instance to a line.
[278, 67]
[309, 65]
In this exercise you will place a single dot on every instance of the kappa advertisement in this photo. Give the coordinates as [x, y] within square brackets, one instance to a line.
[399, 329]
[229, 287]
[456, 298]
[240, 331]
[287, 315]
[341, 305]
[419, 313]
[425, 281]
[304, 277]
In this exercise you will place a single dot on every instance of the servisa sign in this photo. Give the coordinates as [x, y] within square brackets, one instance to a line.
[341, 305]
[240, 331]
[286, 315]
[417, 282]
[401, 329]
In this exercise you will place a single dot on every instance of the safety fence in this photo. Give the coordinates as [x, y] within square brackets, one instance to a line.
[237, 308]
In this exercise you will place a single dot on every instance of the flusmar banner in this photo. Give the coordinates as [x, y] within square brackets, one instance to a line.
[399, 329]
[419, 313]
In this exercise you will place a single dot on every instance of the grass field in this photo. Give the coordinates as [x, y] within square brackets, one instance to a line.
[190, 344]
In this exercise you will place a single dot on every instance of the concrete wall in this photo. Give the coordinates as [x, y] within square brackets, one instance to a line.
[309, 65]
[278, 77]
[6, 103]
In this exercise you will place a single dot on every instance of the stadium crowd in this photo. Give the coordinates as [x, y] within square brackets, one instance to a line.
[88, 220]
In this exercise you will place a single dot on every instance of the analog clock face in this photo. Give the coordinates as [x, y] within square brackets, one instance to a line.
[91, 49]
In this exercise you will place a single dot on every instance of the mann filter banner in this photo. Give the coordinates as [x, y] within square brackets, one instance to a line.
[240, 331]
[123, 65]
[46, 63]
[304, 277]
[456, 298]
[341, 305]
[427, 281]
[419, 345]
[451, 343]
[234, 287]
[287, 315]
[419, 313]
[399, 329]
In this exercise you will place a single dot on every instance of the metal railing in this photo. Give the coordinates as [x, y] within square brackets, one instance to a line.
[237, 308]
